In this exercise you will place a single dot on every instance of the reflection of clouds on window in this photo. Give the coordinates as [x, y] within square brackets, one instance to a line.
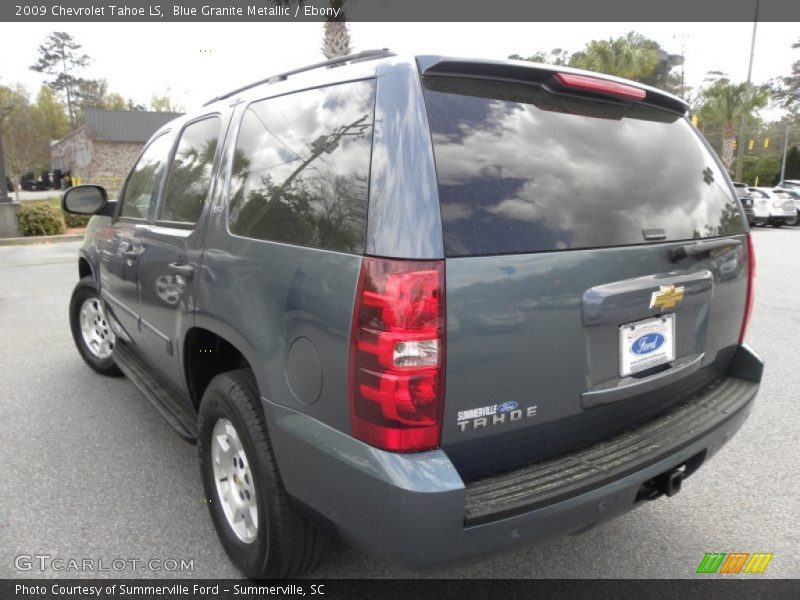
[542, 179]
[317, 196]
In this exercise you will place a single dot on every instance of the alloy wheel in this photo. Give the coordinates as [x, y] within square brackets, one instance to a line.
[95, 329]
[235, 488]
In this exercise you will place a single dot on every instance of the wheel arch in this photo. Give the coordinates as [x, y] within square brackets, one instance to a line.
[209, 350]
[85, 268]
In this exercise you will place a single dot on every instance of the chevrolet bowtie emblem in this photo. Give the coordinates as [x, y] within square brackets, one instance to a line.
[667, 297]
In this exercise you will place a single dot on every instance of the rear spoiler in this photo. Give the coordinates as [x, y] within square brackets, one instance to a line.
[546, 75]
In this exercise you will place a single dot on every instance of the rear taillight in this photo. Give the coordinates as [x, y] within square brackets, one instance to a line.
[397, 354]
[603, 86]
[751, 273]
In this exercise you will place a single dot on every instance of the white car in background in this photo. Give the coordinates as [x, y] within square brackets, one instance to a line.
[756, 211]
[792, 194]
[758, 204]
[781, 210]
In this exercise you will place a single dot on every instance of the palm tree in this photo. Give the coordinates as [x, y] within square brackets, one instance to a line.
[723, 104]
[336, 37]
[632, 57]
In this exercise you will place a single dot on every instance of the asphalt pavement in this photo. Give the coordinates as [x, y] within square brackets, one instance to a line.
[88, 470]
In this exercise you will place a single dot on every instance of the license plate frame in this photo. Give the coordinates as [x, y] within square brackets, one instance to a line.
[646, 344]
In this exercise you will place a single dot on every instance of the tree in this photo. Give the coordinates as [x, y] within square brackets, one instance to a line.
[556, 56]
[59, 57]
[762, 169]
[90, 93]
[632, 56]
[723, 104]
[786, 90]
[336, 34]
[51, 119]
[131, 105]
[164, 103]
[115, 101]
[24, 142]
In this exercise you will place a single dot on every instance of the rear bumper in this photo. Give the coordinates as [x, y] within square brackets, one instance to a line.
[416, 510]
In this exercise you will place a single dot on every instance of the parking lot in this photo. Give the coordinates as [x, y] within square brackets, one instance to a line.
[90, 470]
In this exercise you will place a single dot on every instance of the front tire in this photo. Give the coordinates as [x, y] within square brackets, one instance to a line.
[776, 222]
[249, 507]
[792, 221]
[91, 329]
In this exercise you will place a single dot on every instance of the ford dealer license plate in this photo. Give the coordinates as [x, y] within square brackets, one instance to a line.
[646, 344]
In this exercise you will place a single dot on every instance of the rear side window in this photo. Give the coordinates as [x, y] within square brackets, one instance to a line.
[301, 168]
[189, 179]
[141, 183]
[523, 170]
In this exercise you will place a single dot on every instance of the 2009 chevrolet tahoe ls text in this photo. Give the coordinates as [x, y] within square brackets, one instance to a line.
[437, 307]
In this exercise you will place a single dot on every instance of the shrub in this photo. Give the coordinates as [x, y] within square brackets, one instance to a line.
[76, 220]
[41, 219]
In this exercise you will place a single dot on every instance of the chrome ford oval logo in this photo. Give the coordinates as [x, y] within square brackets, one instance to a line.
[647, 343]
[507, 407]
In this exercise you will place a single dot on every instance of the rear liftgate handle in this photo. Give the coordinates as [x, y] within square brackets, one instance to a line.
[698, 249]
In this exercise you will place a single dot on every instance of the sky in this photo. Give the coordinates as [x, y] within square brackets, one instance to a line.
[197, 61]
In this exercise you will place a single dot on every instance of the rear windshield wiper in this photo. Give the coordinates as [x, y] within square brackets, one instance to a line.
[698, 249]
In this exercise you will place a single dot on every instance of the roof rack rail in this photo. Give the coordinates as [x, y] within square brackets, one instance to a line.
[339, 60]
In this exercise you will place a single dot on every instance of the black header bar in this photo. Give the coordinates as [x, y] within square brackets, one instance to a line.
[397, 10]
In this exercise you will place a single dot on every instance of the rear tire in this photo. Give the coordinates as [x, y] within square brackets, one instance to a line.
[91, 329]
[792, 221]
[776, 222]
[249, 506]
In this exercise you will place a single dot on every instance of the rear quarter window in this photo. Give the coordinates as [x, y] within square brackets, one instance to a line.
[523, 170]
[301, 168]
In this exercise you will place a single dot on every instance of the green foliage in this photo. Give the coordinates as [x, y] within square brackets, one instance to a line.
[165, 103]
[765, 168]
[41, 219]
[25, 147]
[793, 163]
[632, 56]
[76, 221]
[28, 128]
[52, 120]
[93, 93]
[722, 106]
[556, 56]
[786, 91]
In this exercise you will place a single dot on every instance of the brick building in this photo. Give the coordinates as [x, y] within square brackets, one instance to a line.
[104, 148]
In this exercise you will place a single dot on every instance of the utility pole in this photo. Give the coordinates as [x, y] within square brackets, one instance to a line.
[747, 96]
[3, 189]
[785, 150]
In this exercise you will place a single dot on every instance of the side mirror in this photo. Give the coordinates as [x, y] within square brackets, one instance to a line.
[85, 200]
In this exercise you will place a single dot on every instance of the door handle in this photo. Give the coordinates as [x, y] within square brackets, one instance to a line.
[132, 254]
[183, 269]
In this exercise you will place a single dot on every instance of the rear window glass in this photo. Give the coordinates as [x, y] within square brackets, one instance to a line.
[523, 170]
